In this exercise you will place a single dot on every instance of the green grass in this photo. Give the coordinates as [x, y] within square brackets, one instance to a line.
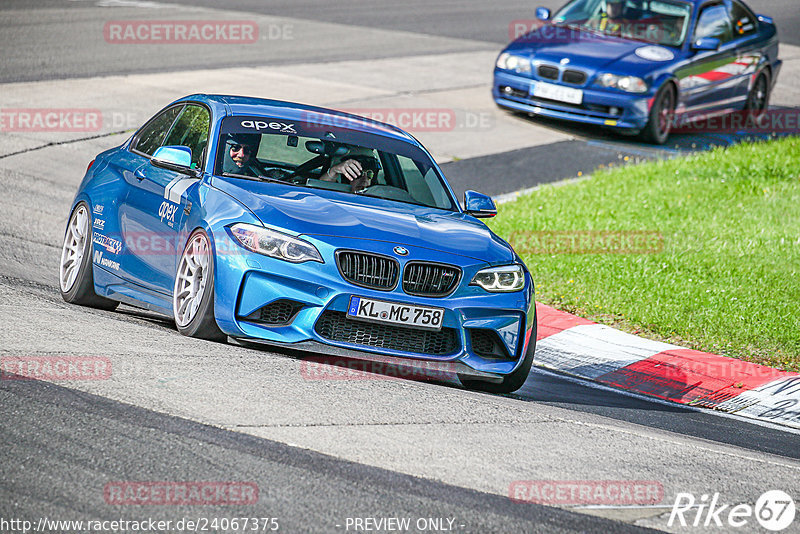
[727, 279]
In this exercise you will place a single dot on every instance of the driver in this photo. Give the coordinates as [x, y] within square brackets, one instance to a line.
[359, 168]
[611, 18]
[240, 152]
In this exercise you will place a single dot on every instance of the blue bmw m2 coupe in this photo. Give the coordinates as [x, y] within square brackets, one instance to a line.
[300, 227]
[641, 66]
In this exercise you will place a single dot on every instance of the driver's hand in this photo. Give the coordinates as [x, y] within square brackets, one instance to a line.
[350, 169]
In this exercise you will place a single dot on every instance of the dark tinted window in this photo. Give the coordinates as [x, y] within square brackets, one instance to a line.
[150, 137]
[191, 130]
[715, 22]
[744, 23]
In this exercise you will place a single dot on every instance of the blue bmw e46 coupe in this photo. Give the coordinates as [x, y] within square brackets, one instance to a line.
[641, 66]
[301, 227]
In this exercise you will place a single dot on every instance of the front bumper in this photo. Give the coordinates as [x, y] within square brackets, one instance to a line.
[319, 296]
[515, 93]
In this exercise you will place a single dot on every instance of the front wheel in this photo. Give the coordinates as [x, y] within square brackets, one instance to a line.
[193, 294]
[75, 276]
[661, 116]
[513, 381]
[758, 98]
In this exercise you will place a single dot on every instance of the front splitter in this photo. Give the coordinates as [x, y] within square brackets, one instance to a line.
[417, 368]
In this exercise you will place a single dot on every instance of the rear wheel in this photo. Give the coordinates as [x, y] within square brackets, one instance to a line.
[75, 275]
[758, 98]
[662, 113]
[513, 381]
[193, 294]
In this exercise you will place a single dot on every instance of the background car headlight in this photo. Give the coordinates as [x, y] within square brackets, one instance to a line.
[630, 84]
[513, 62]
[275, 244]
[500, 279]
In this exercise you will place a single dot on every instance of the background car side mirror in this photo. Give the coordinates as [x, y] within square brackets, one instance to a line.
[707, 43]
[174, 158]
[542, 13]
[479, 205]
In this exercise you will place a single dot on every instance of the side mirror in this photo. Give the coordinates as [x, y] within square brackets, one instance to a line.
[707, 43]
[479, 205]
[542, 13]
[174, 158]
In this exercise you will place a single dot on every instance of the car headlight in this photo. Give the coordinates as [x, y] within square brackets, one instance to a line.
[500, 279]
[514, 62]
[275, 244]
[630, 84]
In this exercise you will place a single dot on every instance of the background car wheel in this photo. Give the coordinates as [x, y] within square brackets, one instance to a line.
[193, 294]
[75, 276]
[758, 98]
[661, 116]
[513, 381]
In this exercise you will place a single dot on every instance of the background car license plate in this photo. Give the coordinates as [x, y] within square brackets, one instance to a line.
[556, 92]
[395, 313]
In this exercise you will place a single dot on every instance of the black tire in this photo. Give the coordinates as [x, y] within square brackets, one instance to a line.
[199, 323]
[76, 277]
[659, 123]
[512, 381]
[758, 97]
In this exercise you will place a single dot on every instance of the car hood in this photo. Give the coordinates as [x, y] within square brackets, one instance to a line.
[591, 51]
[317, 212]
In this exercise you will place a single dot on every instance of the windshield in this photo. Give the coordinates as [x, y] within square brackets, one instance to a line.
[663, 22]
[347, 161]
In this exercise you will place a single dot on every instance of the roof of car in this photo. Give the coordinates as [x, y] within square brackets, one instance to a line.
[293, 111]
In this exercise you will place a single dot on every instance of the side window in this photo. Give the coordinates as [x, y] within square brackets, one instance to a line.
[191, 130]
[151, 136]
[417, 184]
[744, 23]
[714, 21]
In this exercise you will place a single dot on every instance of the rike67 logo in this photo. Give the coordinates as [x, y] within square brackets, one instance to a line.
[774, 511]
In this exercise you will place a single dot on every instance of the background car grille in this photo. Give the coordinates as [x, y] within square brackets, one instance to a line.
[337, 327]
[430, 279]
[279, 312]
[574, 77]
[368, 270]
[547, 71]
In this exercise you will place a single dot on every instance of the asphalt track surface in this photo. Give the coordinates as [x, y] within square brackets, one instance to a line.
[36, 46]
[320, 451]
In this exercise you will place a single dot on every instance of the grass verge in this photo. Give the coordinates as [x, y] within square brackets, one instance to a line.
[702, 251]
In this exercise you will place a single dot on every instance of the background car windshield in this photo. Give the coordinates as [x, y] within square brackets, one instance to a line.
[655, 21]
[392, 169]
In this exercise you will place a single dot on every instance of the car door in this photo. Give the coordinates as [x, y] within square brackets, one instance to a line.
[747, 46]
[707, 81]
[112, 239]
[156, 204]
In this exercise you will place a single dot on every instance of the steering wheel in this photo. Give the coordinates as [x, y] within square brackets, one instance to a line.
[303, 168]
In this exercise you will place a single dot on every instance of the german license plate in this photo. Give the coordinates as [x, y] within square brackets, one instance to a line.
[557, 92]
[395, 313]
